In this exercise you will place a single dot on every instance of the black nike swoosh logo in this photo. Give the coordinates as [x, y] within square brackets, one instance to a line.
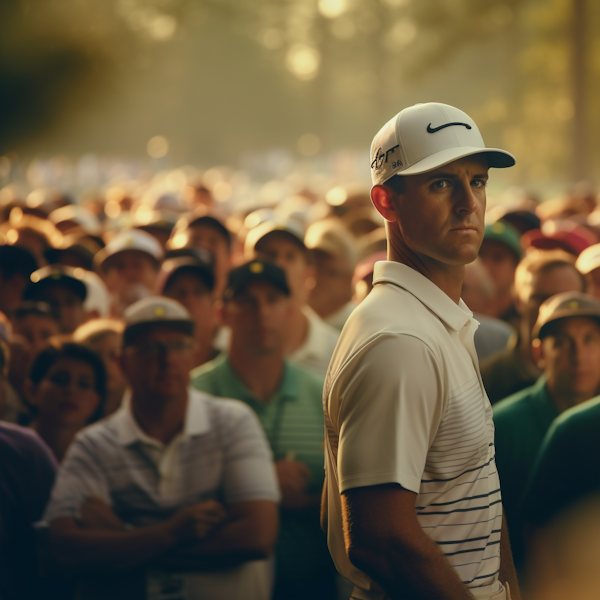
[434, 129]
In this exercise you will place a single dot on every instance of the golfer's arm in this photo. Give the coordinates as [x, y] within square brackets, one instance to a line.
[384, 540]
[507, 566]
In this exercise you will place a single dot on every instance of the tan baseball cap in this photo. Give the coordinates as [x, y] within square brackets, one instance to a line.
[423, 137]
[330, 236]
[562, 306]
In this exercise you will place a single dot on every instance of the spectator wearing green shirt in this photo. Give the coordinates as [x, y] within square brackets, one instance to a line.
[288, 402]
[567, 348]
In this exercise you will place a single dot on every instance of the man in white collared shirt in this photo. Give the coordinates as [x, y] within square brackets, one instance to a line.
[176, 491]
[412, 502]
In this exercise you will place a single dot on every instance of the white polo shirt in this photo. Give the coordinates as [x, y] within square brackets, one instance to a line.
[221, 454]
[315, 353]
[404, 403]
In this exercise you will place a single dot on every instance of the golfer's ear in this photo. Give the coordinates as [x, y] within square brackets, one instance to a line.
[382, 197]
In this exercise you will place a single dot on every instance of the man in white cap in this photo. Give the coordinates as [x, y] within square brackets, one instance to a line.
[175, 493]
[412, 499]
[129, 266]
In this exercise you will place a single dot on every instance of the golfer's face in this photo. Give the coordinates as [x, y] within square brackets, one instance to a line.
[441, 213]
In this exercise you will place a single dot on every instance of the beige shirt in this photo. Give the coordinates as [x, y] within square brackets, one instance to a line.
[404, 403]
[314, 355]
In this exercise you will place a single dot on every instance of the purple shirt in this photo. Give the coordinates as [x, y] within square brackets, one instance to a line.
[27, 470]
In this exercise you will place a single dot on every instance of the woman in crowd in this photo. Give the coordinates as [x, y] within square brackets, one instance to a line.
[66, 389]
[105, 338]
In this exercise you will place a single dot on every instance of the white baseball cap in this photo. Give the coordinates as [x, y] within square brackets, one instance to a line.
[423, 137]
[97, 297]
[156, 310]
[291, 226]
[130, 239]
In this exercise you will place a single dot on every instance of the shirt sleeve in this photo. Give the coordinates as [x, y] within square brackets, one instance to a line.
[390, 407]
[79, 476]
[249, 473]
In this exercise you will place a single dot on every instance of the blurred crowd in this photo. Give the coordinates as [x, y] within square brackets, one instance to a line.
[162, 357]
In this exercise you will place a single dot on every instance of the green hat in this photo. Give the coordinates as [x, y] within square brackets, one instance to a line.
[505, 234]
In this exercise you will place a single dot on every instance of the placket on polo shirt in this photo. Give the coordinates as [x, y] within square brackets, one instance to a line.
[164, 457]
[456, 317]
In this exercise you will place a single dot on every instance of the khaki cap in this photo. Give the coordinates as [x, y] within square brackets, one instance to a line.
[562, 306]
[330, 236]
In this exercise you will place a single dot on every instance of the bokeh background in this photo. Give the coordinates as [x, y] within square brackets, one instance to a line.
[96, 91]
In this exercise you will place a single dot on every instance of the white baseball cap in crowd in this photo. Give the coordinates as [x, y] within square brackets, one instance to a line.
[423, 137]
[130, 239]
[98, 297]
[156, 310]
[290, 226]
[589, 259]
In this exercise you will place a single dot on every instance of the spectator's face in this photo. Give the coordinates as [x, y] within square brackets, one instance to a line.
[108, 347]
[333, 276]
[67, 394]
[127, 268]
[500, 262]
[258, 318]
[571, 356]
[192, 292]
[67, 305]
[543, 285]
[441, 213]
[281, 249]
[36, 330]
[158, 363]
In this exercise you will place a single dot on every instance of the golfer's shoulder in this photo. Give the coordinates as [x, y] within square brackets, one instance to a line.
[389, 324]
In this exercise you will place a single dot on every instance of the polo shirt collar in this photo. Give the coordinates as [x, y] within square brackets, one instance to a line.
[456, 316]
[129, 432]
[231, 386]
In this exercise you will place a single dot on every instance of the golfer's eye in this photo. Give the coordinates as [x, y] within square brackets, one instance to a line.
[440, 184]
[479, 183]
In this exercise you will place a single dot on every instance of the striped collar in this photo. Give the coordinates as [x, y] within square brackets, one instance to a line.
[456, 316]
[129, 431]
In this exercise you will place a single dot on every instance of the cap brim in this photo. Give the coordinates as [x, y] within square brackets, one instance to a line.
[235, 290]
[34, 290]
[287, 232]
[204, 273]
[499, 159]
[541, 331]
[132, 331]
